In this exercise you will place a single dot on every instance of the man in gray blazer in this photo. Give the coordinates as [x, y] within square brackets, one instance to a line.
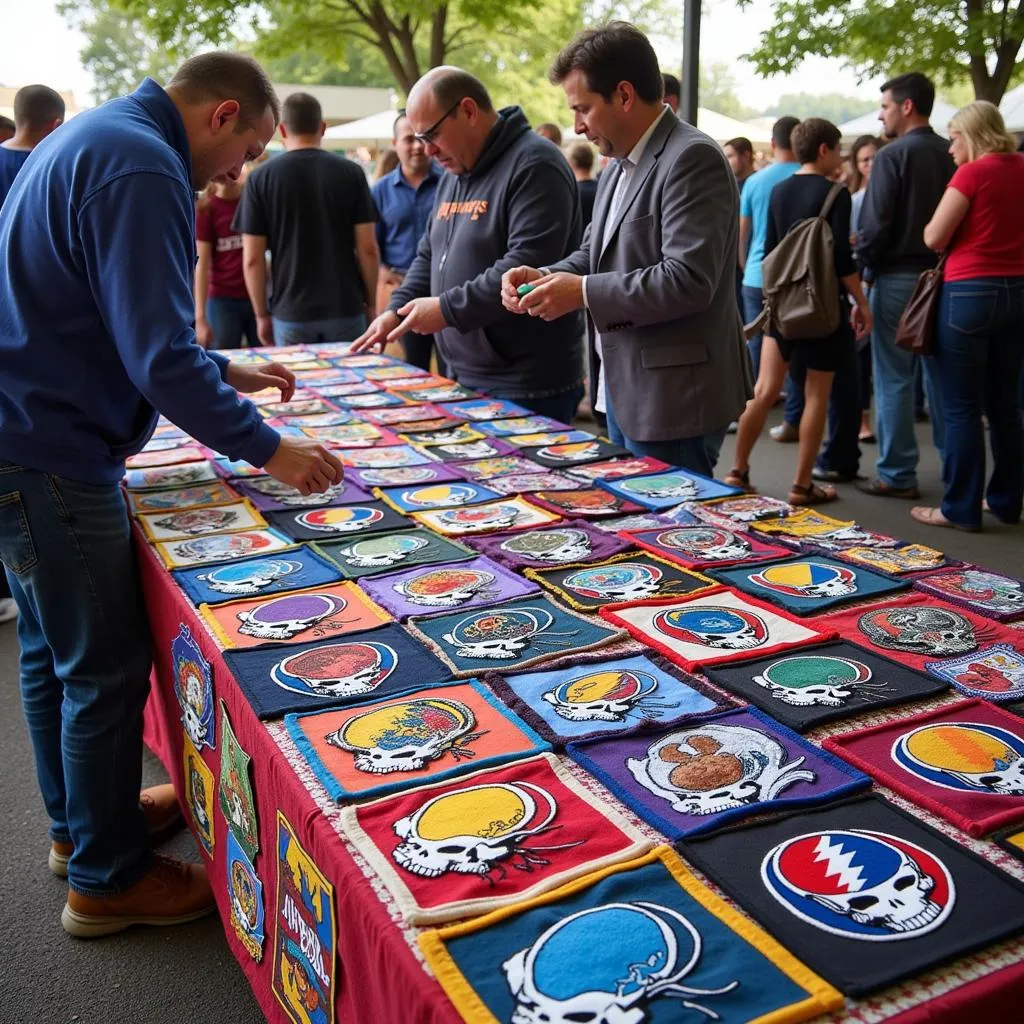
[656, 267]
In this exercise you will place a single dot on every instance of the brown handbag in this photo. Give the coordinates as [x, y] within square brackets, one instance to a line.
[916, 330]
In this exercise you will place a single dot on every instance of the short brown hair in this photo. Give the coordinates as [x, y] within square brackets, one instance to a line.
[616, 52]
[36, 106]
[550, 131]
[810, 135]
[221, 75]
[301, 114]
[581, 155]
[741, 144]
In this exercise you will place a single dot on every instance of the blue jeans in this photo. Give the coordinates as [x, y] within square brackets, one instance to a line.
[561, 406]
[698, 454]
[85, 660]
[311, 332]
[979, 354]
[894, 385]
[233, 323]
[753, 300]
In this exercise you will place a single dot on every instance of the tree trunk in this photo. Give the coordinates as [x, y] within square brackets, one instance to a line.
[437, 38]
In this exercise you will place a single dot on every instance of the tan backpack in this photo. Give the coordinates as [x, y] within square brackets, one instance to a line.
[801, 290]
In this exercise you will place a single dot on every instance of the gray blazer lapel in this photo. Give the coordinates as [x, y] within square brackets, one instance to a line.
[603, 202]
[655, 145]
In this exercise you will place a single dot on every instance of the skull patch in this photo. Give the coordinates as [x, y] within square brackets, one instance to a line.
[715, 626]
[381, 551]
[623, 581]
[502, 634]
[918, 630]
[609, 696]
[704, 543]
[806, 579]
[562, 545]
[347, 519]
[289, 615]
[336, 670]
[816, 679]
[248, 577]
[446, 587]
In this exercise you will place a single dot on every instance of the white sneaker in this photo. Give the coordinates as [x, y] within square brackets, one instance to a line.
[8, 609]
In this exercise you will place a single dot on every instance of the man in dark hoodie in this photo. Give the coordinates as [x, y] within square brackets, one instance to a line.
[509, 199]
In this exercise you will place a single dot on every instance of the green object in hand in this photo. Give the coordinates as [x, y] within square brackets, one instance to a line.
[524, 289]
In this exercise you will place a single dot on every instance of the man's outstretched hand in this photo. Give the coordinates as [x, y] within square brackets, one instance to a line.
[305, 465]
[250, 379]
[375, 337]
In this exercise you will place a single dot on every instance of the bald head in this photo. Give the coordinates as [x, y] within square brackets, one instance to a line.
[449, 84]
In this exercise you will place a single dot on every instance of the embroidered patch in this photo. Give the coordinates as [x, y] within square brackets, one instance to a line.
[745, 508]
[384, 458]
[245, 899]
[572, 541]
[713, 628]
[502, 465]
[395, 745]
[706, 546]
[526, 483]
[850, 887]
[518, 425]
[235, 790]
[354, 435]
[270, 495]
[995, 671]
[589, 503]
[196, 522]
[298, 407]
[491, 839]
[458, 434]
[221, 547]
[150, 459]
[806, 526]
[626, 577]
[216, 493]
[472, 584]
[642, 941]
[326, 419]
[399, 372]
[603, 698]
[559, 456]
[422, 426]
[963, 762]
[303, 677]
[626, 524]
[543, 438]
[193, 686]
[305, 933]
[807, 586]
[232, 468]
[404, 476]
[918, 628]
[413, 499]
[487, 409]
[199, 787]
[528, 631]
[407, 414]
[249, 577]
[989, 594]
[299, 615]
[184, 474]
[695, 777]
[326, 523]
[505, 514]
[371, 400]
[468, 451]
[664, 490]
[808, 687]
[615, 469]
[896, 561]
[387, 552]
[449, 392]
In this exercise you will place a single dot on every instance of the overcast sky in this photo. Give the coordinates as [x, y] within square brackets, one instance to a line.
[36, 45]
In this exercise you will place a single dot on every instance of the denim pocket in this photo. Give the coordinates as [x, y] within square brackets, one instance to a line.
[972, 312]
[17, 552]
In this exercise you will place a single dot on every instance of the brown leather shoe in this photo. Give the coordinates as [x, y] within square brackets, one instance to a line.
[170, 892]
[159, 805]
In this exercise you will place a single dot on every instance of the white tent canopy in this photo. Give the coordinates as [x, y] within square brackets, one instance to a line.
[722, 128]
[375, 130]
[1013, 109]
[868, 124]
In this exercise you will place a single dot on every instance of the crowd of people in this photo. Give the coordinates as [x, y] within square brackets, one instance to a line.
[490, 250]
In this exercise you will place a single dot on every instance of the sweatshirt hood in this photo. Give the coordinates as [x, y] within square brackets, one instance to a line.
[512, 125]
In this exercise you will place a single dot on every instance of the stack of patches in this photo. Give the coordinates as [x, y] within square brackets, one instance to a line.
[523, 660]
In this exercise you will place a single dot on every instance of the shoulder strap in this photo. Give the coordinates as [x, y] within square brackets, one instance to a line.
[833, 192]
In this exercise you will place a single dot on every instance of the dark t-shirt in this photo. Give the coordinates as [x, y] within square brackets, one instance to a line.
[11, 161]
[307, 203]
[588, 193]
[213, 224]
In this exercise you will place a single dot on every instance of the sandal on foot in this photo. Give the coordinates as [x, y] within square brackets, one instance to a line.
[740, 478]
[934, 517]
[812, 494]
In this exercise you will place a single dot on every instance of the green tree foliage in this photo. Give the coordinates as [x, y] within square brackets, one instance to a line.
[832, 106]
[717, 91]
[951, 40]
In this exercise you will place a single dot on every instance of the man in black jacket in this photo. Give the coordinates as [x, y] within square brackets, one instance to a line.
[907, 181]
[508, 199]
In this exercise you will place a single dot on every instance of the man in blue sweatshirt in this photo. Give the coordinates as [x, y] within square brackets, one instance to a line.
[96, 335]
[509, 197]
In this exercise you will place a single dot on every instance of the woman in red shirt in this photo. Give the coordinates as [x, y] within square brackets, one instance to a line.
[224, 314]
[979, 333]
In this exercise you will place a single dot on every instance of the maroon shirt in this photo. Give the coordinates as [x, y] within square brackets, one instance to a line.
[213, 225]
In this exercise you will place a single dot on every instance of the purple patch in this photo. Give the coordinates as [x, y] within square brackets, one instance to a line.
[570, 541]
[270, 495]
[404, 476]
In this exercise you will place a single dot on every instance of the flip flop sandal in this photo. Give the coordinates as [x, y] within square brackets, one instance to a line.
[934, 517]
[740, 478]
[812, 494]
